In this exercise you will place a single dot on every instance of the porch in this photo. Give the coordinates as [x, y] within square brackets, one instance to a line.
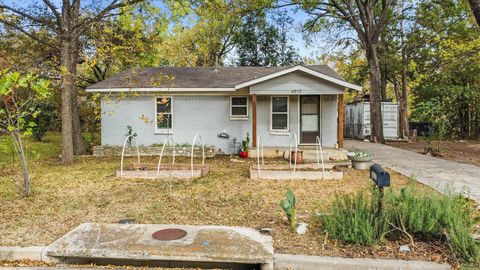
[279, 120]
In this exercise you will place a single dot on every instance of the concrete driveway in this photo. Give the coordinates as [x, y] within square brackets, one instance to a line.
[442, 175]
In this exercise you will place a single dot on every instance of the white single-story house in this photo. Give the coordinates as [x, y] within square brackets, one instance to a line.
[271, 103]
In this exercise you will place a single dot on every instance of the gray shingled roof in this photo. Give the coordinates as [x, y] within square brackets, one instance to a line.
[194, 77]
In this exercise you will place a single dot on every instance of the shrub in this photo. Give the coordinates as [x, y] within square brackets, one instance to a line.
[353, 220]
[409, 211]
[44, 120]
[434, 216]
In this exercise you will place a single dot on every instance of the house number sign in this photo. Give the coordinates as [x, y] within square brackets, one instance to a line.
[296, 91]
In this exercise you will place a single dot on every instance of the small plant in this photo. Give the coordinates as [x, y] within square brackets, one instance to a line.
[130, 134]
[361, 153]
[288, 205]
[245, 143]
[19, 94]
[361, 160]
[244, 151]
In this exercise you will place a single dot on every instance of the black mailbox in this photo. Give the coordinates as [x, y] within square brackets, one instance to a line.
[379, 176]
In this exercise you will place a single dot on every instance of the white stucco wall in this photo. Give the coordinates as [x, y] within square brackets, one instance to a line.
[207, 116]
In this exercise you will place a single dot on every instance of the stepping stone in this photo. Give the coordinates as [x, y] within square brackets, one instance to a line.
[135, 242]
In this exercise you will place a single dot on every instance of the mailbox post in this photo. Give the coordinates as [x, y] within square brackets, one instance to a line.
[381, 178]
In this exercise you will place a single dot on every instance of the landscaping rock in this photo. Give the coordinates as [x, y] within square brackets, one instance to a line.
[301, 228]
[267, 231]
[404, 249]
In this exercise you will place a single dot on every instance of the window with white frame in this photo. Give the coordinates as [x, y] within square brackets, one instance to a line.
[279, 108]
[239, 107]
[163, 114]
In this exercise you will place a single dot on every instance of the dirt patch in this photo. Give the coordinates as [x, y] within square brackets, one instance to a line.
[454, 150]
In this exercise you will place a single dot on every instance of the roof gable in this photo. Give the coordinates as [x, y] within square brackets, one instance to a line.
[304, 69]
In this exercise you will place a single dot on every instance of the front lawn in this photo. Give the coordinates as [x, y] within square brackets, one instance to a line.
[65, 196]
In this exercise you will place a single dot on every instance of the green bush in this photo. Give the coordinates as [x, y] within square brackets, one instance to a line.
[353, 220]
[45, 120]
[409, 211]
[434, 216]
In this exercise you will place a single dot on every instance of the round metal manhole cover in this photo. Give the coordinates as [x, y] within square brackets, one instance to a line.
[169, 234]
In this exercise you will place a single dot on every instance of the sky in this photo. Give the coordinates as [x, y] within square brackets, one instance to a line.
[299, 18]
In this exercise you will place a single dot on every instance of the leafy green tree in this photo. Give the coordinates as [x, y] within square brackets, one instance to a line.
[446, 68]
[18, 95]
[261, 43]
[62, 24]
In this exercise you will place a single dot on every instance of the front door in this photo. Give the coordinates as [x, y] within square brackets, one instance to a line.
[309, 119]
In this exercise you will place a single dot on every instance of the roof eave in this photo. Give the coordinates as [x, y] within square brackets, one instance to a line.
[162, 89]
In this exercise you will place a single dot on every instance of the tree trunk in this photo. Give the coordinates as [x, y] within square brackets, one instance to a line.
[402, 106]
[403, 101]
[78, 145]
[68, 88]
[475, 6]
[375, 93]
[71, 136]
[383, 87]
[17, 141]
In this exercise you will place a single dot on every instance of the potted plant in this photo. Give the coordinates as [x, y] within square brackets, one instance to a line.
[361, 160]
[298, 156]
[244, 151]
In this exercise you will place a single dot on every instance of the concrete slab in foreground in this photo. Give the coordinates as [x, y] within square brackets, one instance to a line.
[135, 242]
[300, 262]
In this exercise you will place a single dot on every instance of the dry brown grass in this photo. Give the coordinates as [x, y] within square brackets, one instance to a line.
[66, 196]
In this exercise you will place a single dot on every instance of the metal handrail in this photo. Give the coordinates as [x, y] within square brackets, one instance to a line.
[318, 145]
[123, 152]
[167, 141]
[203, 151]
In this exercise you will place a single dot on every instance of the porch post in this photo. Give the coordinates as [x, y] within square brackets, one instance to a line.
[254, 120]
[341, 112]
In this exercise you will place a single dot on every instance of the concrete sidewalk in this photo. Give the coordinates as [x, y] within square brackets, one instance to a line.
[440, 174]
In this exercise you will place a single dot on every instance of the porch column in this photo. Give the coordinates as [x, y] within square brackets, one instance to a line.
[254, 120]
[341, 112]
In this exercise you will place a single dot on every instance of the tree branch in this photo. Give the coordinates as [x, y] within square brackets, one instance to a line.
[30, 35]
[57, 15]
[85, 23]
[28, 16]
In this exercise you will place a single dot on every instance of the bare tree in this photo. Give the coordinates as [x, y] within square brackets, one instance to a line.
[67, 22]
[368, 19]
